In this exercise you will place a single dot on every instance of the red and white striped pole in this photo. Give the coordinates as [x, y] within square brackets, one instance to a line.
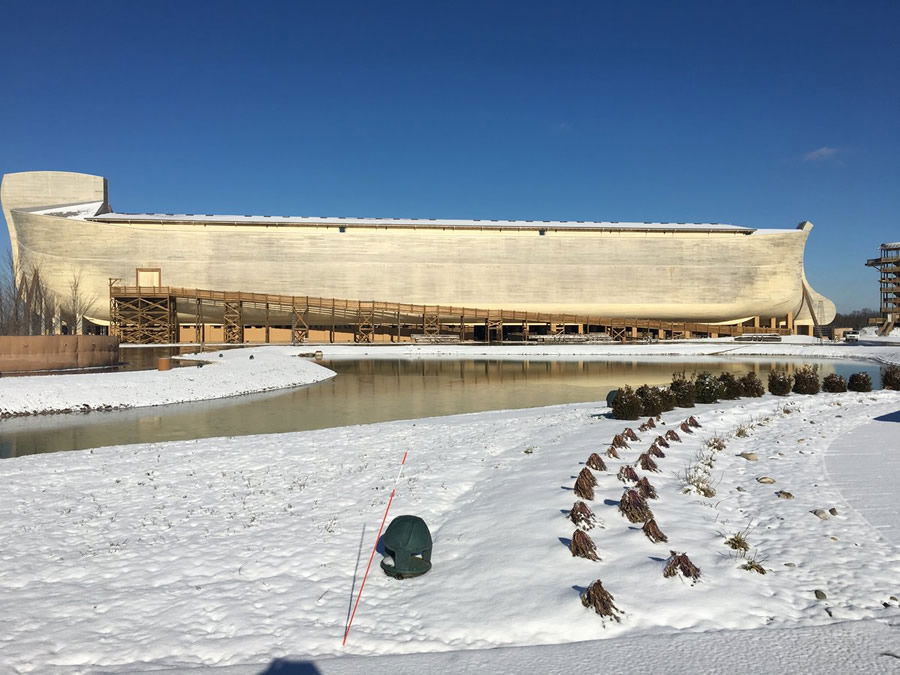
[374, 547]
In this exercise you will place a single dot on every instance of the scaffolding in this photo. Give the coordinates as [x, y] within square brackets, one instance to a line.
[151, 315]
[888, 264]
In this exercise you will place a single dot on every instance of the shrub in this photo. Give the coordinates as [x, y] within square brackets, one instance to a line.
[752, 385]
[627, 405]
[834, 383]
[596, 462]
[806, 380]
[600, 600]
[647, 463]
[645, 489]
[582, 546]
[584, 485]
[707, 389]
[634, 507]
[654, 534]
[680, 563]
[667, 399]
[683, 390]
[651, 401]
[780, 383]
[582, 516]
[627, 474]
[732, 387]
[860, 382]
[890, 377]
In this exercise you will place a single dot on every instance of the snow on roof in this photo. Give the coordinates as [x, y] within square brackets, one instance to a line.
[77, 211]
[162, 218]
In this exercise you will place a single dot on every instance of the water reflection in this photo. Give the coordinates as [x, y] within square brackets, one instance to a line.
[377, 390]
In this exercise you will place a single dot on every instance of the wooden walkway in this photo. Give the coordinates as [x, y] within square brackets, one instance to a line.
[150, 315]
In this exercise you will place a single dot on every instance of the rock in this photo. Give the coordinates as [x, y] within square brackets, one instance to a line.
[749, 456]
[822, 514]
[766, 480]
[784, 494]
[740, 489]
[790, 564]
[832, 511]
[894, 598]
[820, 595]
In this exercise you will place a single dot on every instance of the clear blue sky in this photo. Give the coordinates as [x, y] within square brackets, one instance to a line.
[760, 114]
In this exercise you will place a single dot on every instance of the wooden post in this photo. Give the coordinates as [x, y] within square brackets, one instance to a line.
[331, 332]
[197, 322]
[398, 326]
[267, 323]
[462, 329]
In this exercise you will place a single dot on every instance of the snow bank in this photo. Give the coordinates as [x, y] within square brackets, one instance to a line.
[226, 373]
[794, 346]
[230, 551]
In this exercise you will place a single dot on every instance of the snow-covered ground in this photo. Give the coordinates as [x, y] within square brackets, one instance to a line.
[795, 346]
[223, 373]
[236, 551]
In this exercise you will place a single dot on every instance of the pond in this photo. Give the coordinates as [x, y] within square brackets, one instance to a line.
[379, 390]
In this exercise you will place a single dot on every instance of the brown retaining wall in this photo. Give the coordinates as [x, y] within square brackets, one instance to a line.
[57, 352]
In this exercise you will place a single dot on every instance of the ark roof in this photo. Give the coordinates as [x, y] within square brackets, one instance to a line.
[163, 218]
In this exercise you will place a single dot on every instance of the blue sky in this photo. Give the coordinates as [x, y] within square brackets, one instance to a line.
[761, 114]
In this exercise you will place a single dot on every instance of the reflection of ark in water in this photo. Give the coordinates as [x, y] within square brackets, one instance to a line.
[61, 223]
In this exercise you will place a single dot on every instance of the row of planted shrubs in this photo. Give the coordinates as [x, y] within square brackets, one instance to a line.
[684, 391]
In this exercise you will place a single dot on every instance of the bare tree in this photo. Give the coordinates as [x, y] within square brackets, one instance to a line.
[79, 303]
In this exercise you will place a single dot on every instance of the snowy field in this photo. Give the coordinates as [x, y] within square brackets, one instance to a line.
[221, 374]
[233, 552]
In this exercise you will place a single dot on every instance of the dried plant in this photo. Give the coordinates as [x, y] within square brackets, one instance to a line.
[738, 541]
[582, 516]
[600, 600]
[595, 462]
[586, 474]
[582, 546]
[716, 443]
[618, 441]
[644, 427]
[646, 489]
[696, 479]
[754, 564]
[612, 452]
[630, 435]
[654, 451]
[650, 423]
[692, 421]
[584, 484]
[654, 534]
[672, 435]
[627, 474]
[647, 463]
[685, 427]
[680, 563]
[661, 442]
[634, 507]
[742, 431]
